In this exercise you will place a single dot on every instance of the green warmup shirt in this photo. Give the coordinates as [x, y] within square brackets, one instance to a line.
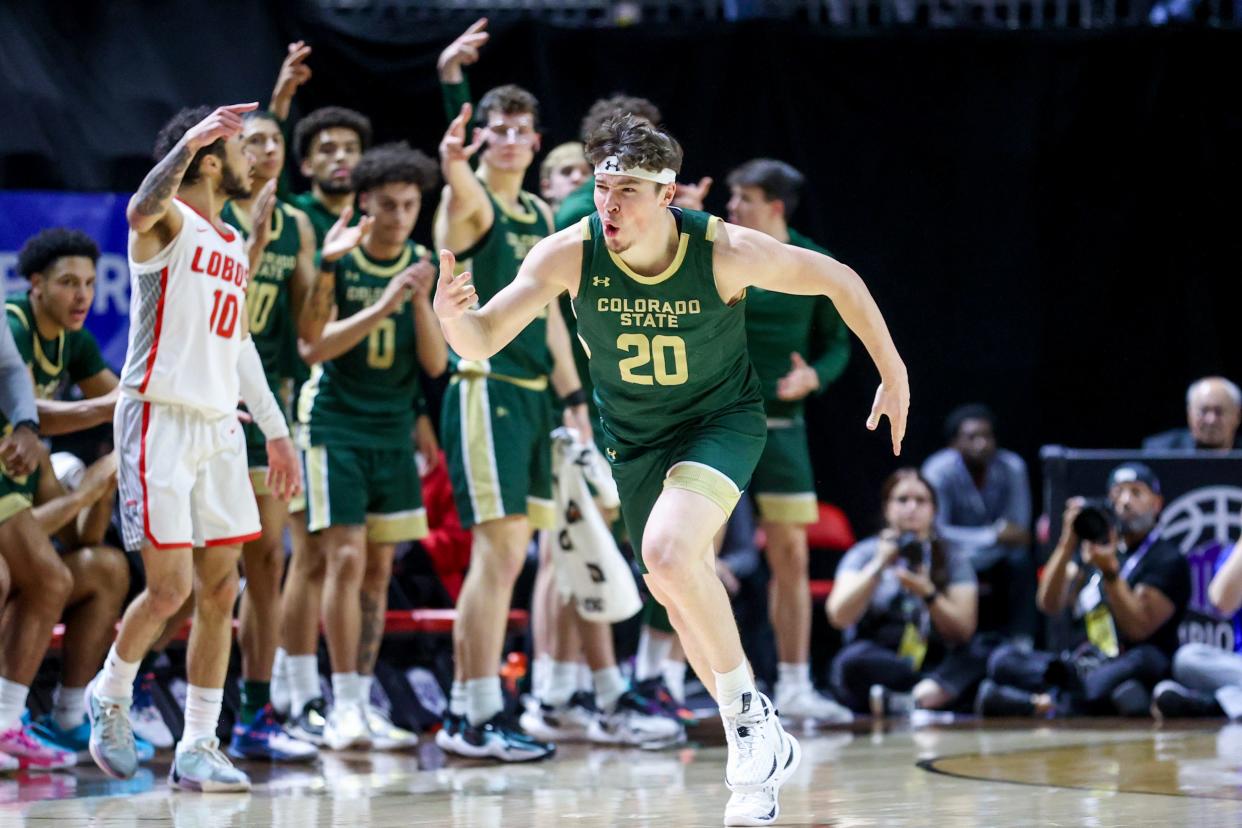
[493, 262]
[666, 351]
[67, 359]
[365, 397]
[779, 324]
[269, 300]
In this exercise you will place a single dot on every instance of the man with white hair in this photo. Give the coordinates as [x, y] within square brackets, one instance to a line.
[1213, 413]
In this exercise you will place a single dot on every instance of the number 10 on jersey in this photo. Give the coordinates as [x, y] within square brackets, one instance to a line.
[224, 312]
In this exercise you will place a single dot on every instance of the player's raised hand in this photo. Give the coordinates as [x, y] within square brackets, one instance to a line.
[284, 476]
[224, 122]
[293, 70]
[342, 238]
[892, 400]
[799, 382]
[454, 294]
[692, 196]
[423, 276]
[453, 146]
[261, 217]
[398, 289]
[463, 51]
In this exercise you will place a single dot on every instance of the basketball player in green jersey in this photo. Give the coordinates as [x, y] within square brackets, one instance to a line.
[497, 412]
[327, 145]
[783, 332]
[660, 298]
[47, 325]
[282, 271]
[370, 327]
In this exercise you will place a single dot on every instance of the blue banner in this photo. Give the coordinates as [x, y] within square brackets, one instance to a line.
[99, 215]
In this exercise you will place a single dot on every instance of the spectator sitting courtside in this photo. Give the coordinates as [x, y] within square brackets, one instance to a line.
[1207, 681]
[908, 603]
[985, 511]
[1127, 593]
[1213, 412]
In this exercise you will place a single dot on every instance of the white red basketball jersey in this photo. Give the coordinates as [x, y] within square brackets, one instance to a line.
[185, 318]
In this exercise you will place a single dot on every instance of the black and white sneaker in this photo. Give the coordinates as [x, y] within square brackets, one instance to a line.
[569, 722]
[1171, 700]
[502, 738]
[308, 725]
[761, 805]
[631, 723]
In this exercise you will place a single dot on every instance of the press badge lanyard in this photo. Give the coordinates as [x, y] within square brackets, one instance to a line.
[914, 637]
[1101, 629]
[1091, 595]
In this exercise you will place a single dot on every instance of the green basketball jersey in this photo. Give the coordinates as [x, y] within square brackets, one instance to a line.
[268, 297]
[69, 358]
[778, 324]
[493, 263]
[665, 351]
[365, 397]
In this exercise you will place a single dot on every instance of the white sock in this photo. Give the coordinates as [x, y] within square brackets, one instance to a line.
[540, 674]
[303, 673]
[562, 684]
[364, 688]
[70, 708]
[202, 715]
[731, 686]
[457, 698]
[346, 689]
[483, 699]
[586, 681]
[653, 649]
[674, 673]
[12, 704]
[280, 664]
[609, 686]
[790, 677]
[117, 680]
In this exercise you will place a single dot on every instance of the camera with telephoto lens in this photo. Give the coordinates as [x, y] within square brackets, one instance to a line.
[911, 549]
[1095, 522]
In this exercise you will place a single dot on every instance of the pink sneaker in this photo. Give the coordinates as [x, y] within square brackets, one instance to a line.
[32, 754]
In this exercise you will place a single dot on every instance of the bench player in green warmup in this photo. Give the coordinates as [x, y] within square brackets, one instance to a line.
[659, 295]
[369, 328]
[497, 413]
[798, 345]
[48, 327]
[282, 271]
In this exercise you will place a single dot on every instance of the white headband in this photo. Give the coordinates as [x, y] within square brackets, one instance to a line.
[612, 166]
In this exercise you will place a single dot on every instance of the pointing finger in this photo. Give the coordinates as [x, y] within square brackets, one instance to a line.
[242, 107]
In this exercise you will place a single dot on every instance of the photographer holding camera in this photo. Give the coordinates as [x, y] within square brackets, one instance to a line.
[1127, 589]
[907, 602]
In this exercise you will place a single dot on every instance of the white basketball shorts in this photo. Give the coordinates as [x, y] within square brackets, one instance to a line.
[182, 476]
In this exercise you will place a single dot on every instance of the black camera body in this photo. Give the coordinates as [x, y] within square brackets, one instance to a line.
[1096, 521]
[912, 550]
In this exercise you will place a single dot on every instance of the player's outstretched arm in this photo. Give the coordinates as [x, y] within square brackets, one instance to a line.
[745, 257]
[551, 267]
[293, 73]
[465, 213]
[148, 212]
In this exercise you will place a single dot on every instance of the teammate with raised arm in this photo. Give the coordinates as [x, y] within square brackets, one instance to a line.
[497, 418]
[186, 499]
[659, 295]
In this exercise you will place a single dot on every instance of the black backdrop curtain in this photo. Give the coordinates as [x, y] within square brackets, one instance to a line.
[1046, 219]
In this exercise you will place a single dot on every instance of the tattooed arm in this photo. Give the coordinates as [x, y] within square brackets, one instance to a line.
[148, 213]
[319, 307]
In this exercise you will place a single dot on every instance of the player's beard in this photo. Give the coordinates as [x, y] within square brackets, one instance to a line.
[335, 186]
[232, 184]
